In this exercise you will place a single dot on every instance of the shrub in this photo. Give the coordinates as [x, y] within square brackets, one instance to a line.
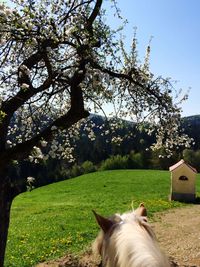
[76, 170]
[135, 161]
[88, 167]
[115, 162]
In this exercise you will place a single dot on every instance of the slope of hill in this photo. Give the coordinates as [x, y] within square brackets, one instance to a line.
[57, 219]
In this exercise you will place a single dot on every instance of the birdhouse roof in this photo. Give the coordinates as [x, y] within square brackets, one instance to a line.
[181, 162]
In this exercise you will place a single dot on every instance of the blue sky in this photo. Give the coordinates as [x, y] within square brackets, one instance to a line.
[175, 47]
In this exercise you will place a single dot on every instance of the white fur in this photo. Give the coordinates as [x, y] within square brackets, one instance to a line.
[131, 243]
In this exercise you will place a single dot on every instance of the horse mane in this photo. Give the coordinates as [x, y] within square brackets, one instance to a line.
[129, 242]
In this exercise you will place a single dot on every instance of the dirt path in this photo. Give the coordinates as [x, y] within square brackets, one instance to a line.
[178, 232]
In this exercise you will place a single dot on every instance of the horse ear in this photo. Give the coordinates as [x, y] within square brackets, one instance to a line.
[141, 210]
[104, 223]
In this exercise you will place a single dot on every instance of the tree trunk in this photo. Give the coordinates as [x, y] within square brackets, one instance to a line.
[6, 197]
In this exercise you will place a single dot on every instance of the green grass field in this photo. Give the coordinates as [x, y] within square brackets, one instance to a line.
[56, 219]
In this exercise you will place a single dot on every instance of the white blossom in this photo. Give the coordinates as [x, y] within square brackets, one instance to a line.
[30, 183]
[24, 35]
[30, 179]
[31, 158]
[43, 143]
[25, 86]
[9, 142]
[53, 128]
[24, 69]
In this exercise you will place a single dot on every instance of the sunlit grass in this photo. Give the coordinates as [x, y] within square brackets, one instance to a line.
[57, 219]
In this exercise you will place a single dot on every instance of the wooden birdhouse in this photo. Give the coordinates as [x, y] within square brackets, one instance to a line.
[183, 177]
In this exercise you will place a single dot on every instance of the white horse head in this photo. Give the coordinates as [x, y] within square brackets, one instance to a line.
[127, 240]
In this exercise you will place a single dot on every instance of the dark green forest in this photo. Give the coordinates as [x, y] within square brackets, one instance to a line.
[102, 154]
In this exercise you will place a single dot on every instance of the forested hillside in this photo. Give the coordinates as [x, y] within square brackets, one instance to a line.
[101, 153]
[191, 126]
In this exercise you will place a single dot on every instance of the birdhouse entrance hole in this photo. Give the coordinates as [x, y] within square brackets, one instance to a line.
[183, 178]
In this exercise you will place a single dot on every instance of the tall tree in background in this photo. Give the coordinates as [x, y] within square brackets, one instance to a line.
[59, 61]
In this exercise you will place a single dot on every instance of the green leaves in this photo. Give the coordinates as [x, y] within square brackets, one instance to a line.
[2, 115]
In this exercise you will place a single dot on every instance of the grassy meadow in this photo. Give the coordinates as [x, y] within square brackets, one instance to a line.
[56, 219]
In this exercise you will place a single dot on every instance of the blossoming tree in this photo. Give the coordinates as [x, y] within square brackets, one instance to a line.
[59, 61]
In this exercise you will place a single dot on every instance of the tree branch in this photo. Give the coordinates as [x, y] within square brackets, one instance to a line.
[22, 150]
[128, 77]
[95, 13]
